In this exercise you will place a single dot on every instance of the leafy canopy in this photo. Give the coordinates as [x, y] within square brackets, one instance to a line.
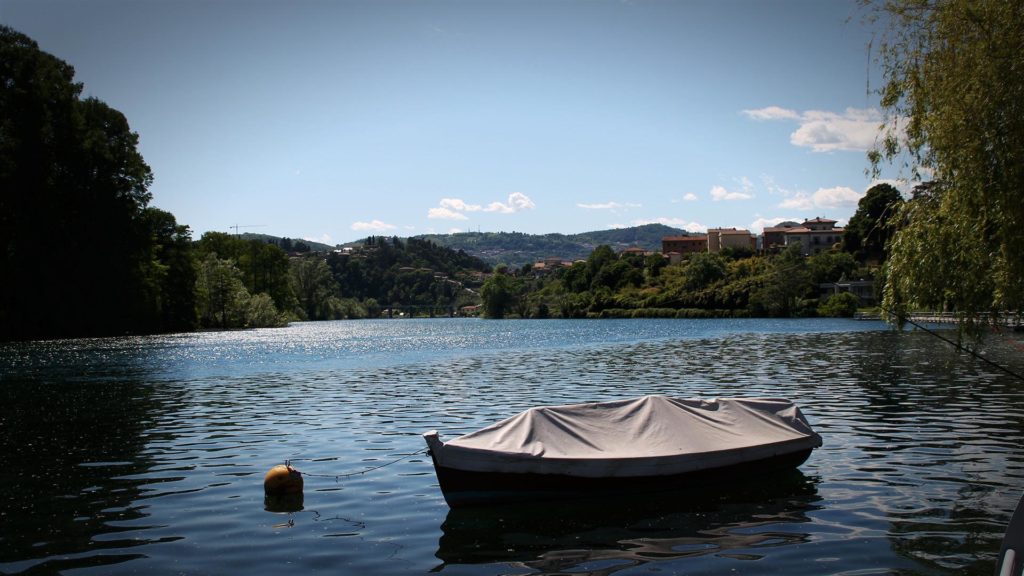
[954, 106]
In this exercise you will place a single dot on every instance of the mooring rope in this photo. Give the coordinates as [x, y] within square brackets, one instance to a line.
[904, 318]
[956, 345]
[371, 469]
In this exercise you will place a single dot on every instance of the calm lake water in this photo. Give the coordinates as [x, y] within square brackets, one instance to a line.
[146, 455]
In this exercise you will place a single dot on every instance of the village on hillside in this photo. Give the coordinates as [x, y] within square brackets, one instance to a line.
[813, 236]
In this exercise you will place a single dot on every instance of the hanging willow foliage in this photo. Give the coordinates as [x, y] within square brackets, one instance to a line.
[953, 99]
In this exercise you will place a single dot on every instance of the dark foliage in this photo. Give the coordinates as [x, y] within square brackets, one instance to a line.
[82, 254]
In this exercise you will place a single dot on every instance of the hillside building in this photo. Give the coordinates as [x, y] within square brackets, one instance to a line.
[814, 236]
[774, 238]
[721, 238]
[684, 244]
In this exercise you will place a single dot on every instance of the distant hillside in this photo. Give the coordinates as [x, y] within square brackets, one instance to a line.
[289, 244]
[516, 249]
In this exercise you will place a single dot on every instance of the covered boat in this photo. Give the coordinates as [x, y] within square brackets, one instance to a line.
[640, 444]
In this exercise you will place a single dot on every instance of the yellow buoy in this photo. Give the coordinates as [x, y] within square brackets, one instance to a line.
[282, 479]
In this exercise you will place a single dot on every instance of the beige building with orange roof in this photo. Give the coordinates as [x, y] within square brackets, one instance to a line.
[720, 238]
[814, 236]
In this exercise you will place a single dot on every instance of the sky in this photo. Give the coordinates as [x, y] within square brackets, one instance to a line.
[335, 120]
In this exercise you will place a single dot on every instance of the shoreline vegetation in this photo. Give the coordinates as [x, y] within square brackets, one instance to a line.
[729, 284]
[84, 253]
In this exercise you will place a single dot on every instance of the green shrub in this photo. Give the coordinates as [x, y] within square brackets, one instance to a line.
[842, 305]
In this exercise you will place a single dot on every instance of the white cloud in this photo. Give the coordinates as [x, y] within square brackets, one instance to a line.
[798, 201]
[690, 197]
[830, 198]
[719, 193]
[854, 129]
[772, 113]
[516, 201]
[674, 222]
[460, 205]
[373, 225]
[455, 208]
[608, 206]
[837, 197]
[446, 214]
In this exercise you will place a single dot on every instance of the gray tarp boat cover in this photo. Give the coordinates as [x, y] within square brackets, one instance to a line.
[647, 436]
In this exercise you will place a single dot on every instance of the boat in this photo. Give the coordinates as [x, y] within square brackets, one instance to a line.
[633, 445]
[1011, 554]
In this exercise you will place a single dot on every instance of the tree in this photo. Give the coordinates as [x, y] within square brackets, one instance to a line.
[602, 256]
[267, 272]
[703, 269]
[264, 267]
[841, 305]
[954, 110]
[787, 288]
[868, 232]
[260, 311]
[831, 266]
[315, 288]
[498, 295]
[653, 265]
[172, 270]
[220, 295]
[617, 274]
[77, 251]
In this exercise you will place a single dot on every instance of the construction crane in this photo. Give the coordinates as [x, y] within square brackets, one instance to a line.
[237, 226]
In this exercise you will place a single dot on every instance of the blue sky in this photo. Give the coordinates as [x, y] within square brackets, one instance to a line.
[332, 120]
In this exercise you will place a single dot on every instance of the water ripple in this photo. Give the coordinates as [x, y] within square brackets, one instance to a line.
[147, 454]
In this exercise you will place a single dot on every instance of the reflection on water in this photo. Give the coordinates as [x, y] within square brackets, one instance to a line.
[739, 519]
[68, 457]
[284, 502]
[146, 455]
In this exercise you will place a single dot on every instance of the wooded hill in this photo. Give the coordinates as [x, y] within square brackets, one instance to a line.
[516, 248]
[289, 244]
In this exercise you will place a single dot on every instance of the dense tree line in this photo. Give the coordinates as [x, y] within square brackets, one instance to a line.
[255, 283]
[82, 253]
[610, 285]
[82, 250]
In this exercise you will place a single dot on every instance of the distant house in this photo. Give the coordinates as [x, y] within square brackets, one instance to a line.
[774, 238]
[549, 264]
[683, 245]
[814, 236]
[720, 238]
